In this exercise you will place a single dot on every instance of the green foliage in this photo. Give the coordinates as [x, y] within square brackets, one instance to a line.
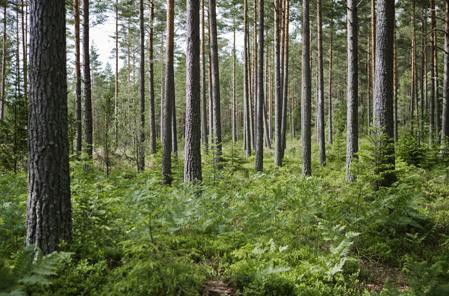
[272, 233]
[31, 272]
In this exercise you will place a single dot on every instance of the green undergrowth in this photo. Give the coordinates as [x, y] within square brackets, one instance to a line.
[275, 233]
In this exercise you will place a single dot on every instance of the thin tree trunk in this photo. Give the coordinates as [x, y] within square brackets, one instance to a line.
[48, 219]
[371, 104]
[192, 162]
[331, 65]
[78, 104]
[395, 94]
[116, 85]
[153, 146]
[215, 80]
[88, 133]
[383, 91]
[445, 119]
[320, 107]
[3, 66]
[260, 90]
[423, 76]
[168, 98]
[24, 51]
[432, 98]
[246, 92]
[204, 131]
[413, 88]
[352, 144]
[285, 77]
[306, 96]
[234, 102]
[278, 87]
[141, 145]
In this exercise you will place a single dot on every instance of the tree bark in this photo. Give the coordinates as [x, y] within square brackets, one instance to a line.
[246, 92]
[445, 119]
[306, 96]
[413, 66]
[352, 140]
[285, 76]
[168, 98]
[192, 161]
[141, 144]
[215, 80]
[78, 103]
[88, 122]
[234, 102]
[24, 51]
[331, 65]
[371, 104]
[48, 219]
[278, 87]
[153, 146]
[260, 89]
[383, 92]
[320, 107]
[432, 98]
[204, 130]
[116, 86]
[3, 66]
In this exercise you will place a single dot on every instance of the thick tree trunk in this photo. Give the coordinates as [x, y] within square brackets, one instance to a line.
[49, 207]
[352, 140]
[320, 107]
[260, 90]
[306, 96]
[153, 146]
[371, 104]
[141, 144]
[24, 51]
[383, 92]
[168, 98]
[395, 95]
[204, 130]
[215, 80]
[278, 87]
[88, 122]
[192, 151]
[78, 104]
[445, 119]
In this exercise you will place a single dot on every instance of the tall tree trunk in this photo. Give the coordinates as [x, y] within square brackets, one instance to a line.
[48, 219]
[246, 91]
[78, 104]
[285, 74]
[153, 146]
[320, 107]
[352, 144]
[306, 96]
[383, 92]
[445, 119]
[371, 104]
[432, 98]
[234, 102]
[413, 62]
[192, 162]
[204, 131]
[260, 90]
[423, 86]
[215, 80]
[395, 94]
[278, 87]
[141, 144]
[3, 66]
[331, 65]
[168, 98]
[116, 86]
[24, 51]
[88, 122]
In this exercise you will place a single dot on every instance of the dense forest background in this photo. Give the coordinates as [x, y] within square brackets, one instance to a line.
[264, 147]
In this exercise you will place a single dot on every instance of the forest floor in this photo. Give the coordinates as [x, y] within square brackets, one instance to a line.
[246, 233]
